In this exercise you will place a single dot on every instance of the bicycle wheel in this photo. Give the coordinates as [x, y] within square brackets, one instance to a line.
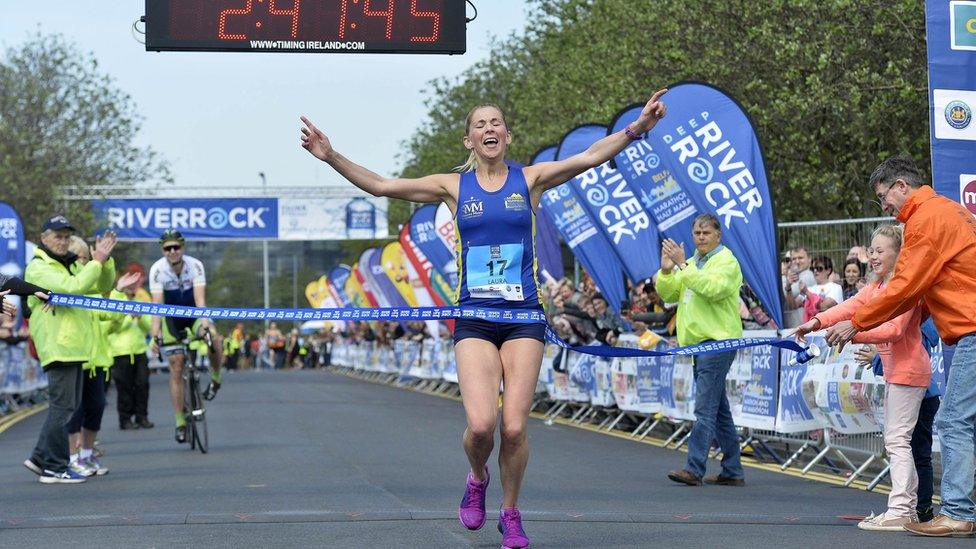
[188, 410]
[200, 417]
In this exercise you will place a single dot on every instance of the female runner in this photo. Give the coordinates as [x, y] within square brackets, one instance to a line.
[494, 205]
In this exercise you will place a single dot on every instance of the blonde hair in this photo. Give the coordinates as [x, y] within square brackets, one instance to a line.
[78, 246]
[892, 233]
[471, 163]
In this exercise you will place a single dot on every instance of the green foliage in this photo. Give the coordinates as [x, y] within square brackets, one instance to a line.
[237, 281]
[833, 86]
[64, 124]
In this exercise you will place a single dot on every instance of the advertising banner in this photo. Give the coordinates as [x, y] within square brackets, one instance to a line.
[13, 251]
[708, 144]
[648, 385]
[383, 286]
[547, 250]
[951, 39]
[337, 284]
[669, 205]
[395, 267]
[332, 218]
[420, 267]
[245, 218]
[357, 272]
[583, 237]
[369, 269]
[677, 387]
[444, 229]
[831, 390]
[424, 234]
[797, 410]
[613, 207]
[354, 290]
[752, 384]
[204, 218]
[624, 376]
[12, 246]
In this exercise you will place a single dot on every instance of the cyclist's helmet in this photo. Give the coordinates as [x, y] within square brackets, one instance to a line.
[172, 235]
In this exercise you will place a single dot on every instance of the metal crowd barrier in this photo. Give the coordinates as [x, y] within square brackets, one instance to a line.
[22, 381]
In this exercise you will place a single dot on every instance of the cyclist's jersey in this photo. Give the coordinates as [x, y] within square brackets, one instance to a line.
[177, 289]
[495, 239]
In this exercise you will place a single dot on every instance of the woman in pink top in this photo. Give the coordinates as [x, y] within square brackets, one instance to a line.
[906, 371]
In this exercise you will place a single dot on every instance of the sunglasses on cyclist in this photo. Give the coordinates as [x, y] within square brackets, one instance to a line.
[172, 248]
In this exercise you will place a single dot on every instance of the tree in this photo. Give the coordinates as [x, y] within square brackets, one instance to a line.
[833, 86]
[64, 125]
[237, 280]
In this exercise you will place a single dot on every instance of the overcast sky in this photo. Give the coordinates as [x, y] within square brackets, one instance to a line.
[220, 118]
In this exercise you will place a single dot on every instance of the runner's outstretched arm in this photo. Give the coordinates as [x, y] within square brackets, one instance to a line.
[546, 175]
[431, 188]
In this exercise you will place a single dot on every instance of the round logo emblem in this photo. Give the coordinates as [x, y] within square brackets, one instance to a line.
[652, 161]
[217, 218]
[958, 114]
[597, 196]
[968, 196]
[701, 171]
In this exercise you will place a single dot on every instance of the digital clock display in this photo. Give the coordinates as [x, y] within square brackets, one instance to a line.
[311, 26]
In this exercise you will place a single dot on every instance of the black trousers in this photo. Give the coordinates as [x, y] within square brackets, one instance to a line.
[131, 373]
[922, 451]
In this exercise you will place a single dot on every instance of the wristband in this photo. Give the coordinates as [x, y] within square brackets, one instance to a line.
[630, 134]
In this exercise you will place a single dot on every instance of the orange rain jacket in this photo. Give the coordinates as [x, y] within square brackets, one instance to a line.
[937, 262]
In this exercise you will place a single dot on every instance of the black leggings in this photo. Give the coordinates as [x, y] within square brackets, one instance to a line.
[131, 373]
[89, 414]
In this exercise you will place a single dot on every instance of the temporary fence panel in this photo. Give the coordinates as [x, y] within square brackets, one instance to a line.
[20, 373]
[448, 364]
[752, 384]
[832, 238]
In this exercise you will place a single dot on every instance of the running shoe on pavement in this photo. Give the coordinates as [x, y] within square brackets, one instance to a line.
[472, 510]
[82, 468]
[65, 477]
[181, 434]
[93, 463]
[34, 467]
[510, 525]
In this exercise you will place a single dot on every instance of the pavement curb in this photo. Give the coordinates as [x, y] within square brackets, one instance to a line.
[20, 415]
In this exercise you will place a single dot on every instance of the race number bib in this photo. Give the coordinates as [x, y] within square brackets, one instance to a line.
[495, 271]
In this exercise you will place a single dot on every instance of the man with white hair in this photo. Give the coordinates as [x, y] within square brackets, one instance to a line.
[63, 338]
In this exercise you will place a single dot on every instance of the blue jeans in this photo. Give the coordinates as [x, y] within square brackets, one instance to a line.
[956, 422]
[713, 417]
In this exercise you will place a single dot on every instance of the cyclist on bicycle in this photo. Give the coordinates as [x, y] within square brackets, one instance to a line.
[178, 279]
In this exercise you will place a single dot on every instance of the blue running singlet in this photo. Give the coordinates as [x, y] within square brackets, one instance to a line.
[495, 236]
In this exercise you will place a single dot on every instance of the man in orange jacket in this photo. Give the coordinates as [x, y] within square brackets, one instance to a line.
[937, 263]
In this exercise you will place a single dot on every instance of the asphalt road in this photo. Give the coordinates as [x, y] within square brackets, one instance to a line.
[303, 459]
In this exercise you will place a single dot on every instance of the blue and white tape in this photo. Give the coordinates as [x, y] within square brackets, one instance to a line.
[406, 313]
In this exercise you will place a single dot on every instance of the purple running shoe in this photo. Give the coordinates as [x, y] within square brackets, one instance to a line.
[472, 510]
[510, 525]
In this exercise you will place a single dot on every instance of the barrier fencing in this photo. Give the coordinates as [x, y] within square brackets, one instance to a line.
[22, 381]
[824, 416]
[832, 237]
